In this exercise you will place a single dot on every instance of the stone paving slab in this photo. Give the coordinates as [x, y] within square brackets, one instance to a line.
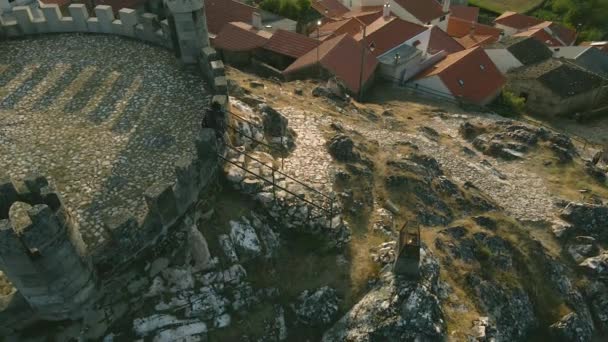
[103, 117]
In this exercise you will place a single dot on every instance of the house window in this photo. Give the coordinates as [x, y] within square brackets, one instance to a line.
[556, 49]
[461, 82]
[442, 18]
[482, 67]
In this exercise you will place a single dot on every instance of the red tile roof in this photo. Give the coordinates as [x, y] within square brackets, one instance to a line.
[387, 33]
[238, 36]
[290, 44]
[516, 20]
[441, 41]
[366, 15]
[468, 13]
[459, 28]
[333, 29]
[342, 57]
[222, 12]
[423, 10]
[550, 33]
[471, 41]
[333, 7]
[469, 74]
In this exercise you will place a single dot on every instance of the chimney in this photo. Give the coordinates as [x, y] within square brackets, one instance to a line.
[256, 20]
[446, 6]
[386, 10]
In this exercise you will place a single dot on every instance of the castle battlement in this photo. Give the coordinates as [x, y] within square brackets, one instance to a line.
[45, 259]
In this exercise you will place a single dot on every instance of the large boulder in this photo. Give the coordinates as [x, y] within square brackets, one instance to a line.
[596, 265]
[587, 219]
[245, 240]
[316, 308]
[275, 124]
[342, 148]
[571, 328]
[396, 309]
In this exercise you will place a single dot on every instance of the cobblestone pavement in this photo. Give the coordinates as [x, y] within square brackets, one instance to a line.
[309, 161]
[522, 194]
[102, 117]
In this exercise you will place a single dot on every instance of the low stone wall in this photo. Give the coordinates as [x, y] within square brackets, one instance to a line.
[48, 19]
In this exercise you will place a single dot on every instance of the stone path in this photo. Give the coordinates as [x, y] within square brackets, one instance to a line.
[102, 117]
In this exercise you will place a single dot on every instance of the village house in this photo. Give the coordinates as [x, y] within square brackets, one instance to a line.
[602, 46]
[587, 57]
[388, 31]
[237, 42]
[514, 52]
[403, 62]
[471, 34]
[557, 87]
[341, 57]
[332, 29]
[468, 75]
[284, 47]
[428, 12]
[439, 41]
[548, 32]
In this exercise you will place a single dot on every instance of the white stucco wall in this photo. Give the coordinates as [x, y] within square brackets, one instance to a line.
[503, 59]
[434, 83]
[424, 37]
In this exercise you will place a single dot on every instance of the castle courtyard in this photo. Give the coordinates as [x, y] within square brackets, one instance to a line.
[102, 117]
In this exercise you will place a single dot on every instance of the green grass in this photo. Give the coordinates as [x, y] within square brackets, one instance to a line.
[500, 6]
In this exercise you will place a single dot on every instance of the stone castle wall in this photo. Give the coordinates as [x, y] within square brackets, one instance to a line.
[46, 260]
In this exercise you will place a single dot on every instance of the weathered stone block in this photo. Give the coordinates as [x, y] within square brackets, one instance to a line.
[128, 17]
[23, 15]
[206, 144]
[221, 100]
[52, 14]
[220, 85]
[105, 16]
[161, 200]
[93, 25]
[217, 68]
[79, 15]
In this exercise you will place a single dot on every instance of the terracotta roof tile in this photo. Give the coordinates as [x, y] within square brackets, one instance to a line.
[602, 46]
[423, 10]
[540, 33]
[333, 29]
[387, 33]
[333, 7]
[468, 13]
[441, 41]
[342, 57]
[459, 28]
[469, 74]
[469, 41]
[516, 20]
[238, 36]
[290, 44]
[222, 12]
[366, 15]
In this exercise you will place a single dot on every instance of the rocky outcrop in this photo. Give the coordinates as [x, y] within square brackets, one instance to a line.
[245, 240]
[597, 266]
[572, 328]
[342, 148]
[396, 309]
[316, 308]
[587, 219]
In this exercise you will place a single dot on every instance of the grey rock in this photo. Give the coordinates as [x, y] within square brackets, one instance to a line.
[572, 328]
[245, 240]
[316, 308]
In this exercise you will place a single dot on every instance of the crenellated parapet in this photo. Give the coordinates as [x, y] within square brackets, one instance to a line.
[49, 19]
[43, 254]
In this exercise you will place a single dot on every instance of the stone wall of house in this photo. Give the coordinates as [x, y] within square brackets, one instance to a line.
[42, 252]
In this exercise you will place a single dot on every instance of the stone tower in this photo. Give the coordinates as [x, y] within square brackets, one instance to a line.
[189, 24]
[42, 252]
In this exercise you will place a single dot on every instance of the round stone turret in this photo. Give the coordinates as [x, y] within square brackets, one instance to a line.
[188, 20]
[42, 252]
